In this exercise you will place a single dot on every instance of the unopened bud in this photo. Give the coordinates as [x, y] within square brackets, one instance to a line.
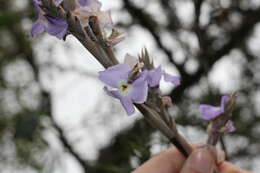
[166, 101]
[69, 5]
[140, 65]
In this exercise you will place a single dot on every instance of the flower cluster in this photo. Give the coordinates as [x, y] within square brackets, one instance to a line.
[209, 112]
[82, 9]
[45, 23]
[131, 82]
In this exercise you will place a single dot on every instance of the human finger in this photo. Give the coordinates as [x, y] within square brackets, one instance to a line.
[169, 161]
[226, 167]
[200, 160]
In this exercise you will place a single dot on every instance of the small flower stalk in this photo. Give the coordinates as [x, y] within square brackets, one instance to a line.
[220, 118]
[136, 81]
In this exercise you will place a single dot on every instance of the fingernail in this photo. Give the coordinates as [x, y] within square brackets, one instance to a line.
[201, 161]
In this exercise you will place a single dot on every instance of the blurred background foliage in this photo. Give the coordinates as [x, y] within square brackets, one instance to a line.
[219, 33]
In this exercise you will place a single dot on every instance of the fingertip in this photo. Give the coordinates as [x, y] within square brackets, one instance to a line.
[170, 160]
[199, 161]
[227, 167]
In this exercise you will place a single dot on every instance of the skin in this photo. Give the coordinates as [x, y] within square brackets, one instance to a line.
[172, 161]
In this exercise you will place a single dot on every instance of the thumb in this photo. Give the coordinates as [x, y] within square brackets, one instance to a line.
[201, 160]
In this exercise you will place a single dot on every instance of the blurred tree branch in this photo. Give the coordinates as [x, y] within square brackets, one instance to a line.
[146, 21]
[208, 56]
[24, 49]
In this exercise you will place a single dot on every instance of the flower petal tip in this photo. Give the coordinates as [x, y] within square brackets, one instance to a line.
[209, 112]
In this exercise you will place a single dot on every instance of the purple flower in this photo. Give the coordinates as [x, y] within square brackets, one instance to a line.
[155, 75]
[210, 112]
[54, 26]
[128, 93]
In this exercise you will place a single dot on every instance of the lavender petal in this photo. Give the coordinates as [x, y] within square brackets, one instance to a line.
[128, 105]
[139, 95]
[142, 77]
[112, 93]
[38, 27]
[170, 78]
[140, 89]
[125, 101]
[209, 112]
[154, 77]
[112, 76]
[56, 27]
[94, 4]
[84, 2]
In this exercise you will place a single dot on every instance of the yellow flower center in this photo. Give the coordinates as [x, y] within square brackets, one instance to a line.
[125, 89]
